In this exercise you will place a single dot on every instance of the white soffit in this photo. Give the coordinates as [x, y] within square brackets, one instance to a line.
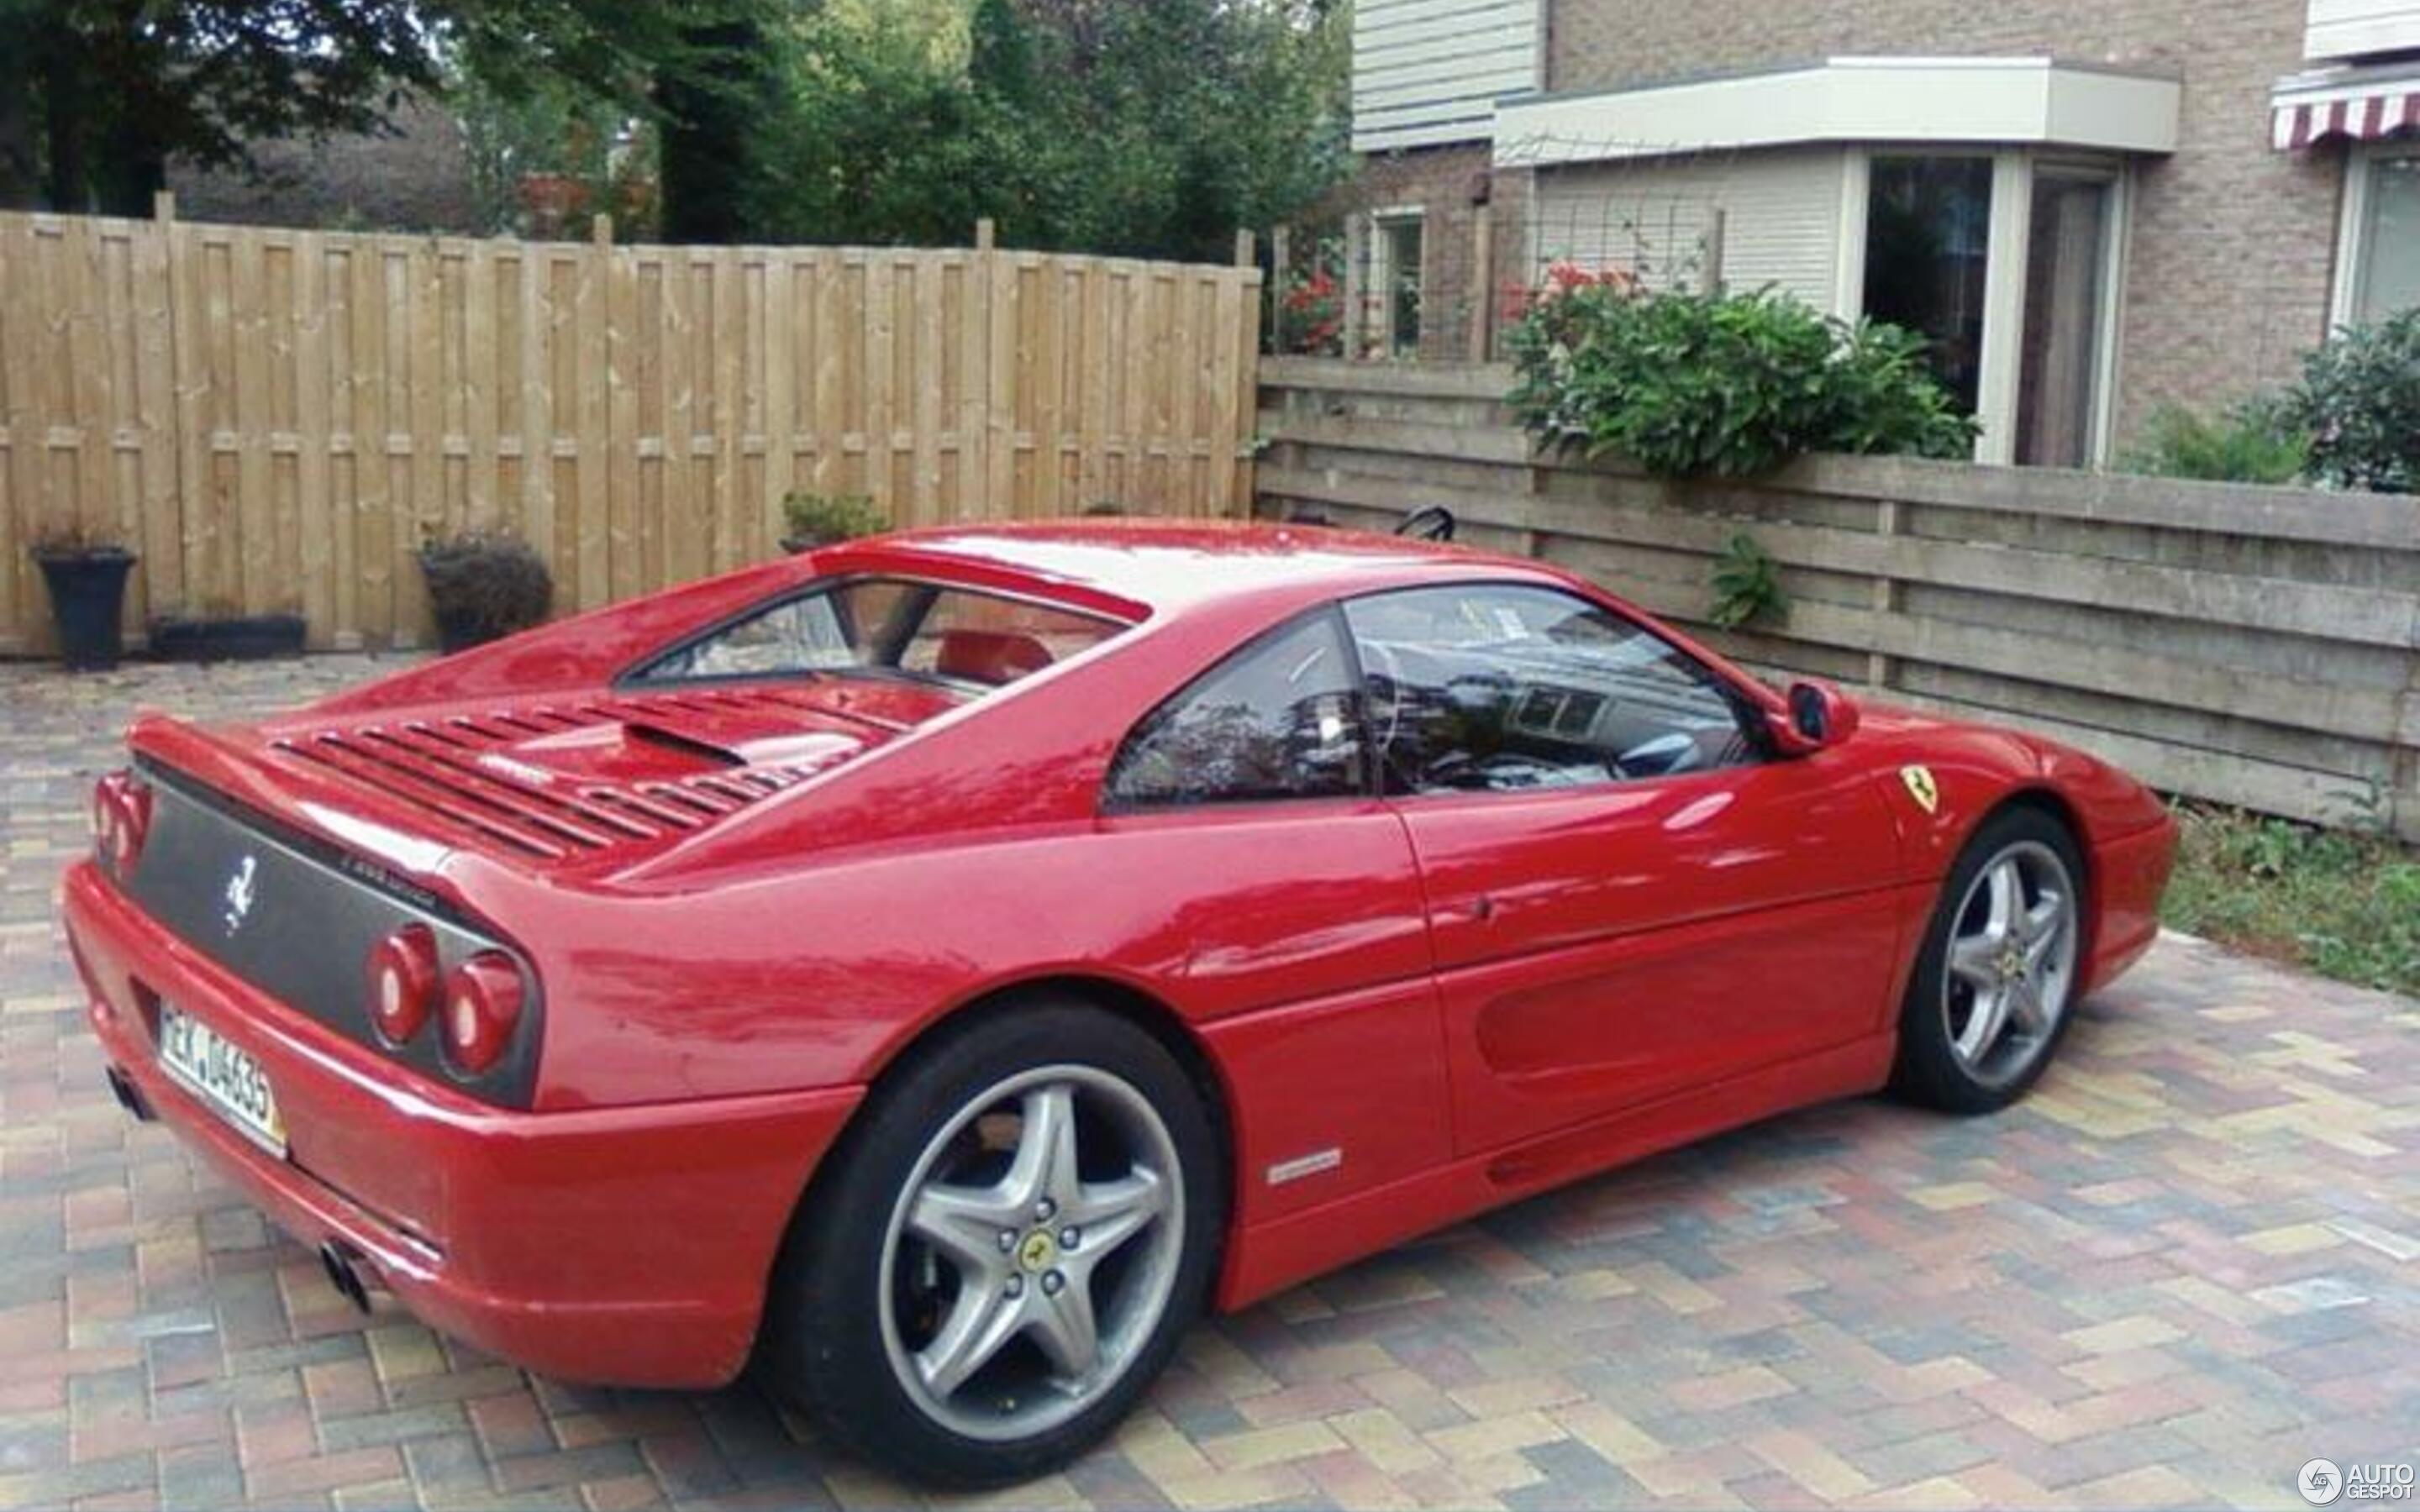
[2000, 101]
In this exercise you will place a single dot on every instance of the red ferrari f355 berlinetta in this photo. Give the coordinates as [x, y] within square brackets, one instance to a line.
[940, 966]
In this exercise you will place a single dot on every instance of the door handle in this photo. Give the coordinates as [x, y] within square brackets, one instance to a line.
[1480, 908]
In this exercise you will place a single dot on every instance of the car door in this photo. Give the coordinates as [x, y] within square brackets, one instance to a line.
[1300, 943]
[1627, 897]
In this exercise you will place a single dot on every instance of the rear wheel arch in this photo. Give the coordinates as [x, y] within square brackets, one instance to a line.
[1117, 999]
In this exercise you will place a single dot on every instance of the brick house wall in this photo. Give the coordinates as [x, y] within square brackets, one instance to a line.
[2232, 242]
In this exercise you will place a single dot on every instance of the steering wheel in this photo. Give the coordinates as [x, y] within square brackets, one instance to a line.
[1431, 522]
[1663, 756]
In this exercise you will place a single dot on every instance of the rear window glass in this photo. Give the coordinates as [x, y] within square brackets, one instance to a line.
[884, 627]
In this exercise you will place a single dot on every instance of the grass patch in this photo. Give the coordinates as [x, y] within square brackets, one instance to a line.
[2346, 904]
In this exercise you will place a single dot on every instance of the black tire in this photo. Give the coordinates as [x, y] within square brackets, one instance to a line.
[1929, 1069]
[829, 1345]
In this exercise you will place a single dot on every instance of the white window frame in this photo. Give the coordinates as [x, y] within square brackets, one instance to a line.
[2002, 359]
[2352, 214]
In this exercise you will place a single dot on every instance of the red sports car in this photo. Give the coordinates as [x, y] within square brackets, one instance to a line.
[940, 966]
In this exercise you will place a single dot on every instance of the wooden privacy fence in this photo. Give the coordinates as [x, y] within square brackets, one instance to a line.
[2256, 646]
[275, 419]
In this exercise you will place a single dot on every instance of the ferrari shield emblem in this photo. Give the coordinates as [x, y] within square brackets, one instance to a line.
[1921, 787]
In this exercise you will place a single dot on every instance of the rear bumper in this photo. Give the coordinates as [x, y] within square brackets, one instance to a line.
[2130, 874]
[622, 1245]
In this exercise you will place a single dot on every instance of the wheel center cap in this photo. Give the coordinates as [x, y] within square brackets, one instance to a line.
[1039, 1251]
[2012, 965]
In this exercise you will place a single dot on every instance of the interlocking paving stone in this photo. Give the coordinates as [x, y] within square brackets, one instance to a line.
[2189, 1263]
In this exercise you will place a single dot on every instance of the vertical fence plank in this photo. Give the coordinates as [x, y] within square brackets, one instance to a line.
[594, 464]
[21, 616]
[312, 386]
[779, 341]
[373, 468]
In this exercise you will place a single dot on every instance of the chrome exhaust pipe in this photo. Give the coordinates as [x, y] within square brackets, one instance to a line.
[345, 1267]
[130, 1096]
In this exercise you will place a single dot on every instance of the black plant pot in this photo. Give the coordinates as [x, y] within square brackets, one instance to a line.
[255, 639]
[87, 596]
[797, 544]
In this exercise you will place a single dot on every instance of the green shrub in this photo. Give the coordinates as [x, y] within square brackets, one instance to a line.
[2253, 443]
[1689, 384]
[813, 520]
[2359, 402]
[1747, 586]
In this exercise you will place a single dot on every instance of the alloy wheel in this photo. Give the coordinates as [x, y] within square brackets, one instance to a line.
[2012, 951]
[1032, 1253]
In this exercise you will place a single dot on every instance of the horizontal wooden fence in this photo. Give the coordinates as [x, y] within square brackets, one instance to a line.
[275, 420]
[2255, 646]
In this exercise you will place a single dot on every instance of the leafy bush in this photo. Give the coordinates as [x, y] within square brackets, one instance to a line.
[485, 585]
[2358, 401]
[2343, 902]
[813, 520]
[2252, 442]
[1748, 585]
[1689, 384]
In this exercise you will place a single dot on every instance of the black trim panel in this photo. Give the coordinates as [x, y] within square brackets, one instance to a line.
[313, 914]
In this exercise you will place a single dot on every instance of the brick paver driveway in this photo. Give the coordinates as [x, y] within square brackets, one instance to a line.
[2188, 1264]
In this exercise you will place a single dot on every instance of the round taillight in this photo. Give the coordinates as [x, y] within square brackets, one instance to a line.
[403, 982]
[121, 812]
[133, 823]
[483, 1003]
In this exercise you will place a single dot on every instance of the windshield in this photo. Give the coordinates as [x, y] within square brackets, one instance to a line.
[884, 626]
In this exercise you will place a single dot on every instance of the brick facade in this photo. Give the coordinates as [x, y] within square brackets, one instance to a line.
[2232, 243]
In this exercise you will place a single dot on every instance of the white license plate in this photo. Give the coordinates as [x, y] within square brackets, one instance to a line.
[221, 1075]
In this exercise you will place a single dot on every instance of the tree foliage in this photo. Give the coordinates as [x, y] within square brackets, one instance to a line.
[1144, 126]
[98, 95]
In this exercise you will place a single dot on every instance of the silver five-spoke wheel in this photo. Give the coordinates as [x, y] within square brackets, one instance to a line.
[1032, 1251]
[2012, 962]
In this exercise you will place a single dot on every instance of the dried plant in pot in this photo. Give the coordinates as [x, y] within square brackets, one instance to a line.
[87, 577]
[484, 585]
[813, 520]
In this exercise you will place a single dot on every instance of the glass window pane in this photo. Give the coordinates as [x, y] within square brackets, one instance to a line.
[1278, 720]
[2390, 241]
[950, 635]
[2058, 390]
[1399, 254]
[1497, 688]
[1927, 242]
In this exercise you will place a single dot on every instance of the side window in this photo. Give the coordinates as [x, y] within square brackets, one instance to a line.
[1278, 720]
[1502, 688]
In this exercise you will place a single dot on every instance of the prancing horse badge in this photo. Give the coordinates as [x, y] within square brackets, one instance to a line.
[1920, 786]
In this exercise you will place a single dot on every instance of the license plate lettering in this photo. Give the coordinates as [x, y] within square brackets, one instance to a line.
[221, 1074]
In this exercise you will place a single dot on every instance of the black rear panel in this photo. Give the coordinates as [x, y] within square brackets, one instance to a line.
[298, 920]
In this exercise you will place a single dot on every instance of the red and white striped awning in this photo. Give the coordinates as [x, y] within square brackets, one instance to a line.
[2308, 112]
